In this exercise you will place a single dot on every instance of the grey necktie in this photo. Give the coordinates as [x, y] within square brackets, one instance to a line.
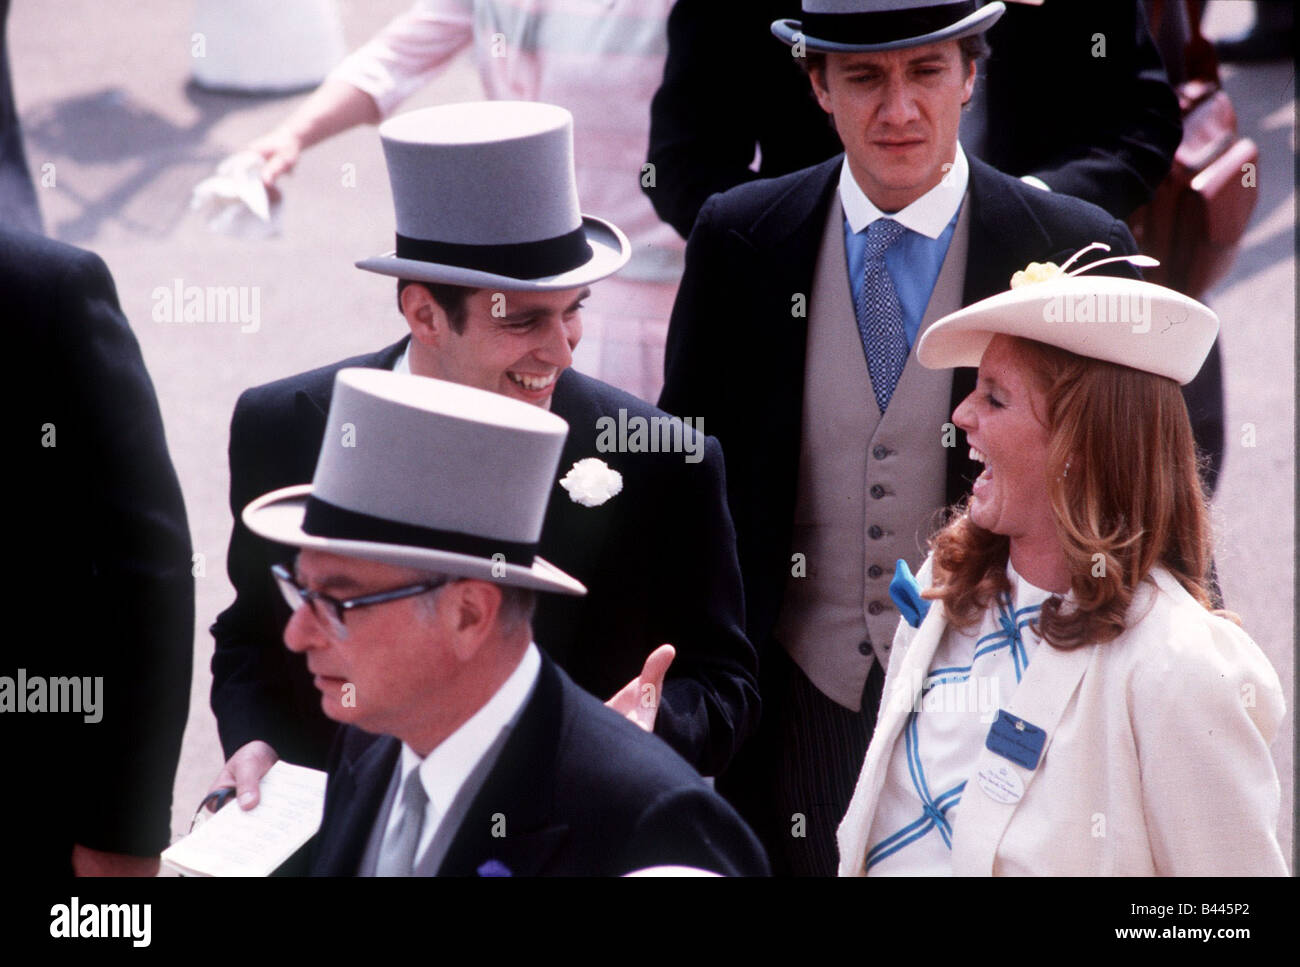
[880, 314]
[397, 854]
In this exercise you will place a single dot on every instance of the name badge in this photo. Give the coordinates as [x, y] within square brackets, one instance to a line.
[1015, 739]
[1001, 784]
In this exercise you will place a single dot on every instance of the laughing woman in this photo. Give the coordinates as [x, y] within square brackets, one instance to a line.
[1061, 699]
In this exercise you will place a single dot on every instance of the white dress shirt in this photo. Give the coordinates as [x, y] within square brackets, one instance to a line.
[915, 260]
[444, 770]
[929, 215]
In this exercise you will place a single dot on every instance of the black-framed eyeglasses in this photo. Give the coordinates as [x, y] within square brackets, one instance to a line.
[330, 610]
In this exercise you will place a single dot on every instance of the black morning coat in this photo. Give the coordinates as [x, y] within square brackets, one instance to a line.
[576, 790]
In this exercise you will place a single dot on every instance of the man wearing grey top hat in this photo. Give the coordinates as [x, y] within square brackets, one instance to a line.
[793, 336]
[494, 258]
[467, 751]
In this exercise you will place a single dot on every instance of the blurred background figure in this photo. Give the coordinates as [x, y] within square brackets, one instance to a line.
[17, 196]
[265, 48]
[1269, 38]
[601, 59]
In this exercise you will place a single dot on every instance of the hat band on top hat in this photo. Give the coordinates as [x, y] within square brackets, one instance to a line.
[517, 260]
[883, 27]
[323, 519]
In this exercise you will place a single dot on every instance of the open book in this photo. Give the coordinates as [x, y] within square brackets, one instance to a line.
[236, 842]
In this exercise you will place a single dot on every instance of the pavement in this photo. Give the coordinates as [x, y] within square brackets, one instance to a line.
[103, 96]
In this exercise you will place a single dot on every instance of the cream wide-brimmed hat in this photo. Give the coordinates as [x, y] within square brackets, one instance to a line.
[1126, 321]
[485, 196]
[864, 26]
[421, 473]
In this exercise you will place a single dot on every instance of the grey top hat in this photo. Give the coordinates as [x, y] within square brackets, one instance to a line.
[425, 474]
[485, 196]
[872, 25]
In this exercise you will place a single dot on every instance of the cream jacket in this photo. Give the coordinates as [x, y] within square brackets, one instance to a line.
[1156, 759]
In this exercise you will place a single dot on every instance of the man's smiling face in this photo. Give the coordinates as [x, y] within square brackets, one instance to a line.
[512, 343]
[897, 114]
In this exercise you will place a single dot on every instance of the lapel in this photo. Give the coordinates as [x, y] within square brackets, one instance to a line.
[1005, 234]
[313, 399]
[356, 791]
[1041, 698]
[516, 801]
[901, 694]
[785, 240]
[573, 536]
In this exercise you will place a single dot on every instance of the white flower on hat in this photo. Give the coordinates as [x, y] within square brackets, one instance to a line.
[591, 482]
[1046, 271]
[1035, 272]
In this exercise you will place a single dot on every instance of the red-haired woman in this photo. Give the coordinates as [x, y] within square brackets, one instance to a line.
[1061, 699]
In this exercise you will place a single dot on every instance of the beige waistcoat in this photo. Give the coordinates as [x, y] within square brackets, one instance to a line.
[870, 484]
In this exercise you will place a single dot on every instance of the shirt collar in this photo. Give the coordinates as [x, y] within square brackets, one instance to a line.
[403, 364]
[444, 770]
[929, 215]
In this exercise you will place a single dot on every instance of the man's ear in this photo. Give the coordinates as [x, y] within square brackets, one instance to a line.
[474, 606]
[426, 319]
[817, 77]
[968, 88]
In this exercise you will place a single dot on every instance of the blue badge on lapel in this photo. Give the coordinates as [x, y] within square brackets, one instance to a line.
[494, 868]
[907, 595]
[1015, 739]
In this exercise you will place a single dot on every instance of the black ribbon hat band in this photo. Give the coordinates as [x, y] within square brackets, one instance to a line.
[885, 26]
[518, 260]
[323, 519]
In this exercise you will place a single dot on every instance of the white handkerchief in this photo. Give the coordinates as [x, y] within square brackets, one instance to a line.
[235, 202]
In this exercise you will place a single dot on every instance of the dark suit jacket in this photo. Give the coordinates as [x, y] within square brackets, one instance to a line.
[98, 572]
[658, 560]
[583, 792]
[735, 353]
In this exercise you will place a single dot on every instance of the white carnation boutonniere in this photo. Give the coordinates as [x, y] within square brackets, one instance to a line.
[591, 482]
[1036, 272]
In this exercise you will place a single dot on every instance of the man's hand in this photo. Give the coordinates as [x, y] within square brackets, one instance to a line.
[245, 769]
[92, 862]
[638, 700]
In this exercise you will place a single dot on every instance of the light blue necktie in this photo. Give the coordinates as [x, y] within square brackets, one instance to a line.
[880, 315]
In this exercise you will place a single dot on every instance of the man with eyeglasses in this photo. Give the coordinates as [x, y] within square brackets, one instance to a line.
[467, 751]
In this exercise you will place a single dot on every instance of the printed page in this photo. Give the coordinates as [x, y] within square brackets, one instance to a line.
[235, 842]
